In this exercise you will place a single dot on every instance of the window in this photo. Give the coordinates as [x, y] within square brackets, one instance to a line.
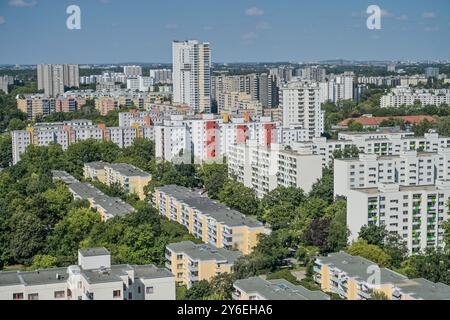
[18, 296]
[60, 294]
[116, 293]
[149, 290]
[139, 289]
[33, 296]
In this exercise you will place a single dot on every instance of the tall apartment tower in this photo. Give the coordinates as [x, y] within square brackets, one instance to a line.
[301, 106]
[53, 78]
[192, 74]
[132, 71]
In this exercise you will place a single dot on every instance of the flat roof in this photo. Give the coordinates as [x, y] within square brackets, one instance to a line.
[63, 176]
[128, 170]
[279, 289]
[376, 190]
[204, 252]
[96, 165]
[34, 278]
[424, 289]
[92, 252]
[357, 267]
[219, 212]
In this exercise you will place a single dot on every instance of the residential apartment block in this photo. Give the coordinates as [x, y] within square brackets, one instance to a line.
[208, 220]
[265, 168]
[190, 262]
[260, 87]
[408, 168]
[55, 78]
[415, 213]
[356, 278]
[378, 142]
[406, 96]
[256, 288]
[300, 104]
[108, 207]
[94, 278]
[192, 74]
[69, 132]
[127, 176]
[208, 139]
[40, 105]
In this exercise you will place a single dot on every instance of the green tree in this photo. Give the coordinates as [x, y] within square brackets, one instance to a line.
[338, 232]
[371, 252]
[238, 197]
[373, 234]
[213, 177]
[199, 290]
[27, 237]
[71, 230]
[5, 150]
[432, 265]
[324, 187]
[44, 262]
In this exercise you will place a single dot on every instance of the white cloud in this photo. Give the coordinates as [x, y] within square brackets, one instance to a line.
[431, 29]
[104, 1]
[263, 25]
[254, 12]
[249, 36]
[386, 14]
[428, 15]
[403, 17]
[171, 26]
[207, 28]
[22, 3]
[2, 20]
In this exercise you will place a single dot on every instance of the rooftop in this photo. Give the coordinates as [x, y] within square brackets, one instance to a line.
[128, 170]
[358, 267]
[92, 252]
[279, 289]
[34, 278]
[425, 289]
[204, 252]
[219, 212]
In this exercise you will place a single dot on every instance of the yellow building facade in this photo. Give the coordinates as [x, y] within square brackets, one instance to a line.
[207, 220]
[190, 262]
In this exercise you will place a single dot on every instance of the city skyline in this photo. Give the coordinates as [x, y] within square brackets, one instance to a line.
[115, 31]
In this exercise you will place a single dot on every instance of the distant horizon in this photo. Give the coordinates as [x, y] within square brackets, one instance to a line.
[121, 63]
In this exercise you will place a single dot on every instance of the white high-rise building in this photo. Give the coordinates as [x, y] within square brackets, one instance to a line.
[336, 89]
[265, 168]
[301, 106]
[415, 213]
[192, 74]
[54, 78]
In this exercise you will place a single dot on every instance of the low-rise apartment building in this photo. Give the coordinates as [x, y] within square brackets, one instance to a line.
[69, 132]
[415, 213]
[256, 288]
[356, 278]
[108, 207]
[190, 262]
[94, 278]
[127, 176]
[208, 220]
[408, 168]
[266, 168]
[406, 96]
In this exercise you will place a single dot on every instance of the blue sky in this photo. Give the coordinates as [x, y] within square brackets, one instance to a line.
[34, 31]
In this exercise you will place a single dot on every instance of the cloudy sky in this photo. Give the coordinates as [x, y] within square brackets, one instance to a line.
[34, 31]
